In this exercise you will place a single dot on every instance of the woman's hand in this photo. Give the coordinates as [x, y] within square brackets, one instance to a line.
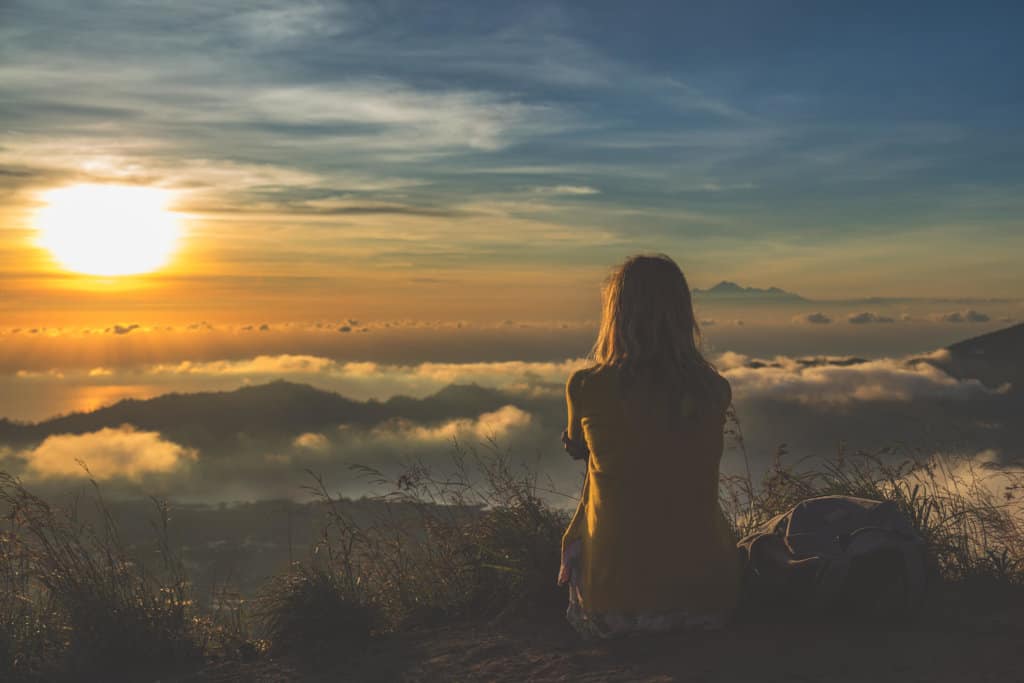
[570, 561]
[577, 450]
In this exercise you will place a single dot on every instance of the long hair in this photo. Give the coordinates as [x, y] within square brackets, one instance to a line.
[648, 330]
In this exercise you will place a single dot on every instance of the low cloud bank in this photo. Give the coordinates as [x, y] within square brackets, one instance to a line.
[817, 318]
[830, 381]
[500, 424]
[968, 316]
[108, 454]
[868, 318]
[257, 443]
[359, 380]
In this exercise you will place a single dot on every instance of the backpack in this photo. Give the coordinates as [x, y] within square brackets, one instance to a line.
[835, 555]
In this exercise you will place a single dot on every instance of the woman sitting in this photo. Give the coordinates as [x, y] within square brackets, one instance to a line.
[648, 548]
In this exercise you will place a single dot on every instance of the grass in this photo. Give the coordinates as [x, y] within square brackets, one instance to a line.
[75, 600]
[971, 516]
[474, 539]
[313, 608]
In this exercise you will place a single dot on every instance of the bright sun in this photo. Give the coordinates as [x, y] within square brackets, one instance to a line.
[108, 229]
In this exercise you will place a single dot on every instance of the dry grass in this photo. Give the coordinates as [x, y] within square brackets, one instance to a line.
[477, 540]
[77, 605]
[474, 538]
[970, 515]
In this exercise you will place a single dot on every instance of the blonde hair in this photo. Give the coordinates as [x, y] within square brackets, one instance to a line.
[648, 329]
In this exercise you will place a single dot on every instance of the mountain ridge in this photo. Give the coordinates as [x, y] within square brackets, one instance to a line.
[277, 410]
[727, 289]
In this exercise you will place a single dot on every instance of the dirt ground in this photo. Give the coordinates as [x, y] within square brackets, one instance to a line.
[962, 643]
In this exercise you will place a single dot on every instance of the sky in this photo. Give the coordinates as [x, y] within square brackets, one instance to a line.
[384, 199]
[471, 161]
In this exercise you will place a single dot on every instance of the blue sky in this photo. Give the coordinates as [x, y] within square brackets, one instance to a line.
[403, 157]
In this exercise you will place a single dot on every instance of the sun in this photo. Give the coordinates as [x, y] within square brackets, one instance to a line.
[108, 230]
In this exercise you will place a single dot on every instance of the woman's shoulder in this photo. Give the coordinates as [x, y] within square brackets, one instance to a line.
[722, 387]
[589, 378]
[721, 390]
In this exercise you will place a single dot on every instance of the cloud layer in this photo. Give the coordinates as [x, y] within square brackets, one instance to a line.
[258, 441]
[825, 382]
[122, 453]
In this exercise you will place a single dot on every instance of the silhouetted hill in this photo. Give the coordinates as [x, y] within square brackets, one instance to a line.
[1005, 345]
[994, 358]
[274, 412]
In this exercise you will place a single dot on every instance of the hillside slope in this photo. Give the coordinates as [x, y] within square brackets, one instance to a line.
[212, 421]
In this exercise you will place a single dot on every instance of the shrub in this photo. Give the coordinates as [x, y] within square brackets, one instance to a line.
[310, 608]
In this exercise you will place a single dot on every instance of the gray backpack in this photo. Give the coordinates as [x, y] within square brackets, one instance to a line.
[837, 555]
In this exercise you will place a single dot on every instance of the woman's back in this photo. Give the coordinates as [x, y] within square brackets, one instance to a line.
[653, 535]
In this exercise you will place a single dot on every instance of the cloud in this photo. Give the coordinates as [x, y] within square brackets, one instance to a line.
[867, 318]
[579, 190]
[312, 441]
[810, 403]
[276, 25]
[108, 453]
[813, 319]
[731, 359]
[499, 424]
[259, 365]
[52, 373]
[837, 382]
[406, 117]
[379, 380]
[968, 316]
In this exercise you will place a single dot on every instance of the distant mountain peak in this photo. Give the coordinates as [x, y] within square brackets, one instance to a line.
[729, 289]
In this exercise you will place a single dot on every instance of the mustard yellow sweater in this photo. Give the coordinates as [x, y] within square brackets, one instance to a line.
[653, 535]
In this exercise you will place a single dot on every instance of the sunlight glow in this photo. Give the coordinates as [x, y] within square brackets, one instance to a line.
[108, 230]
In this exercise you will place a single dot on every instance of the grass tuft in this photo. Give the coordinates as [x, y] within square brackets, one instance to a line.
[312, 608]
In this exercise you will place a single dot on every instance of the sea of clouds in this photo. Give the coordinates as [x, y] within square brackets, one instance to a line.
[815, 406]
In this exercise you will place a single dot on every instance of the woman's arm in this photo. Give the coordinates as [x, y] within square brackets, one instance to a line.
[572, 437]
[575, 444]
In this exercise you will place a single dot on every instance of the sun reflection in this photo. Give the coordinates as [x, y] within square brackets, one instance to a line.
[108, 230]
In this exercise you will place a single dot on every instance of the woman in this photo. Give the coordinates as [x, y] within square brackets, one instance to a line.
[648, 548]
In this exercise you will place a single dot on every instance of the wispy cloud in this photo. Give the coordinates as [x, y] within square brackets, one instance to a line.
[581, 190]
